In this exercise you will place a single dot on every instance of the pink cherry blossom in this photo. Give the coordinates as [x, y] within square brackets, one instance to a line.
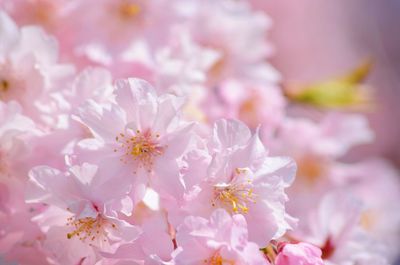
[183, 64]
[91, 213]
[29, 54]
[242, 179]
[141, 135]
[45, 13]
[335, 227]
[300, 253]
[379, 195]
[333, 136]
[154, 225]
[18, 234]
[15, 129]
[233, 19]
[220, 240]
[253, 103]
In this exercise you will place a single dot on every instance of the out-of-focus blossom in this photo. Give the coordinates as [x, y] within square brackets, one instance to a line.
[375, 182]
[44, 13]
[334, 227]
[235, 57]
[29, 69]
[252, 103]
[300, 253]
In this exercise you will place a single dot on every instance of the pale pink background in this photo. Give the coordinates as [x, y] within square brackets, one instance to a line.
[317, 39]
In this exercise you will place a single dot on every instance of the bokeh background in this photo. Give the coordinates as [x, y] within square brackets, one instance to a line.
[317, 40]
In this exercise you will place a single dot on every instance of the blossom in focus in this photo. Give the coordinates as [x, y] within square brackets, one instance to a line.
[139, 136]
[242, 179]
[88, 200]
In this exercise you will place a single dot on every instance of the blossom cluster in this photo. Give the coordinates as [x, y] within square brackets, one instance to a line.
[156, 132]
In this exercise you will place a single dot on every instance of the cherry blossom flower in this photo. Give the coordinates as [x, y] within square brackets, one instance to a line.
[154, 225]
[252, 103]
[242, 179]
[28, 66]
[335, 228]
[89, 200]
[19, 236]
[141, 135]
[220, 240]
[47, 14]
[234, 19]
[379, 196]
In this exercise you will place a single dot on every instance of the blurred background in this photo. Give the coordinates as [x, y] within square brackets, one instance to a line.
[318, 40]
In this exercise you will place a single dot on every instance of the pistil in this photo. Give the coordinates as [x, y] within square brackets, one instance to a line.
[142, 148]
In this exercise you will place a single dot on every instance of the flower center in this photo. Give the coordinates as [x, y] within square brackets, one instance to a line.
[43, 12]
[368, 219]
[141, 147]
[11, 84]
[248, 112]
[310, 169]
[89, 228]
[217, 69]
[129, 10]
[218, 260]
[234, 196]
[4, 85]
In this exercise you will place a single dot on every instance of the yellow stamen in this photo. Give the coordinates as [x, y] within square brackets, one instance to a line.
[234, 196]
[88, 228]
[141, 147]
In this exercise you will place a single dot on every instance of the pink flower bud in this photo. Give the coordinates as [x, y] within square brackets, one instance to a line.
[299, 254]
